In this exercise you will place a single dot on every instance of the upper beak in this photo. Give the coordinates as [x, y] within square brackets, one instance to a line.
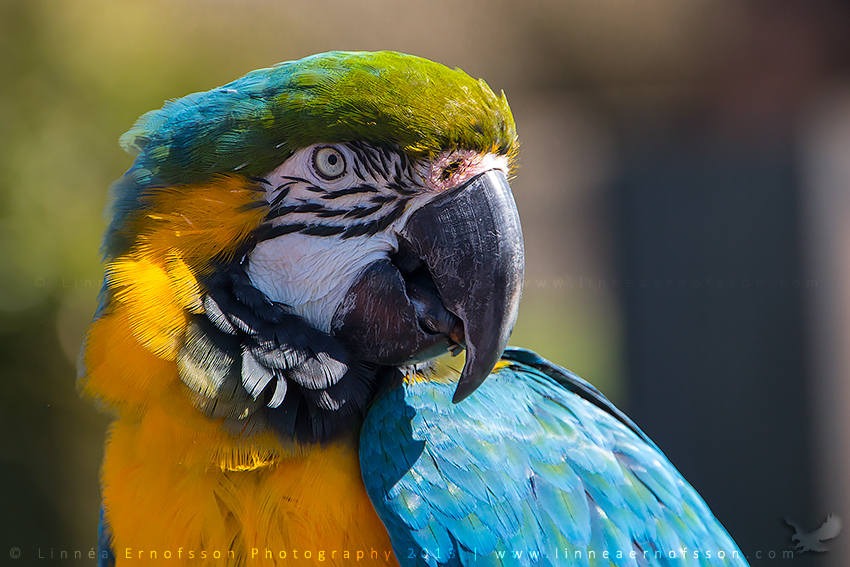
[470, 239]
[456, 279]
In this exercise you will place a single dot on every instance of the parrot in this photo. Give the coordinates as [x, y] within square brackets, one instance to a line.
[311, 275]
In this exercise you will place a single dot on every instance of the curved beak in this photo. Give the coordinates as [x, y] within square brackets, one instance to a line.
[470, 239]
[456, 279]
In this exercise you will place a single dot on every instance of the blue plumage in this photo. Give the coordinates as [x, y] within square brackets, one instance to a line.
[535, 468]
[105, 555]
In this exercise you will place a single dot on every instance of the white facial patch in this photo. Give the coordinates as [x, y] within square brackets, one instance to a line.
[312, 274]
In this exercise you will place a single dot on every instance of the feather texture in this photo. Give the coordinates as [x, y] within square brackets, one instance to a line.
[532, 469]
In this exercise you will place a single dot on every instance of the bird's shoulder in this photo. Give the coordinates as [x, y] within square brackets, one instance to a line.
[535, 466]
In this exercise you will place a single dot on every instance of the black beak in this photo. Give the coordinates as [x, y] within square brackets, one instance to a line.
[457, 279]
[471, 240]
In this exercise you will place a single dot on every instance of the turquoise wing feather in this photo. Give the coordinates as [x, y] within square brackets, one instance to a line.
[105, 555]
[536, 468]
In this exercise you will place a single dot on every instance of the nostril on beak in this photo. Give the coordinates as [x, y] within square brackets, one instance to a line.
[429, 324]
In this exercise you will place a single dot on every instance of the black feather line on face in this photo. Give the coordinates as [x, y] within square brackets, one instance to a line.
[330, 213]
[283, 192]
[357, 171]
[386, 161]
[249, 360]
[401, 189]
[360, 212]
[369, 158]
[261, 180]
[323, 230]
[384, 222]
[295, 179]
[269, 231]
[370, 228]
[383, 199]
[309, 208]
[280, 211]
[360, 156]
[362, 188]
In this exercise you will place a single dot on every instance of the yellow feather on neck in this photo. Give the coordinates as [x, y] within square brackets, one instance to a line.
[155, 285]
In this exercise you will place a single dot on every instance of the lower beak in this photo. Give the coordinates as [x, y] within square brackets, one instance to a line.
[457, 279]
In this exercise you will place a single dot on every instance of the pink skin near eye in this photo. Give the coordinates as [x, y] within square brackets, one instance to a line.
[462, 165]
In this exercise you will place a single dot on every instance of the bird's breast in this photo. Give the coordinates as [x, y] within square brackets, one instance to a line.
[252, 508]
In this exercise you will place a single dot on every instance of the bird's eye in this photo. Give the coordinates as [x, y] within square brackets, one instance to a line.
[328, 162]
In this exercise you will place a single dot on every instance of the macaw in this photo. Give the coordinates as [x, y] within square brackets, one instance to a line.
[289, 261]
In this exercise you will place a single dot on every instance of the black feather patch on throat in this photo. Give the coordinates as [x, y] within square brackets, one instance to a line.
[250, 361]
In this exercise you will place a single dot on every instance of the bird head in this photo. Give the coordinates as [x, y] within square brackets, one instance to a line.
[284, 240]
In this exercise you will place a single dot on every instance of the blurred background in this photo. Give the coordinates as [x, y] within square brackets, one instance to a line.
[683, 187]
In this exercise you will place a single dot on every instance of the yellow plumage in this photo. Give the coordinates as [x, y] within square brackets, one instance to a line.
[294, 503]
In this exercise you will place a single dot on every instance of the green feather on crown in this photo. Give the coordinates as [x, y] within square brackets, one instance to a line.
[254, 123]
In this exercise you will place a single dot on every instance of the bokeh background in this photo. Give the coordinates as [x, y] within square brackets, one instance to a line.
[683, 187]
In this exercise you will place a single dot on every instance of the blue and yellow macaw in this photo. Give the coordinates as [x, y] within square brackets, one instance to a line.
[288, 258]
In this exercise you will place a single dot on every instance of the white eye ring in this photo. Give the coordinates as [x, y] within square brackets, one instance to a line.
[328, 162]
